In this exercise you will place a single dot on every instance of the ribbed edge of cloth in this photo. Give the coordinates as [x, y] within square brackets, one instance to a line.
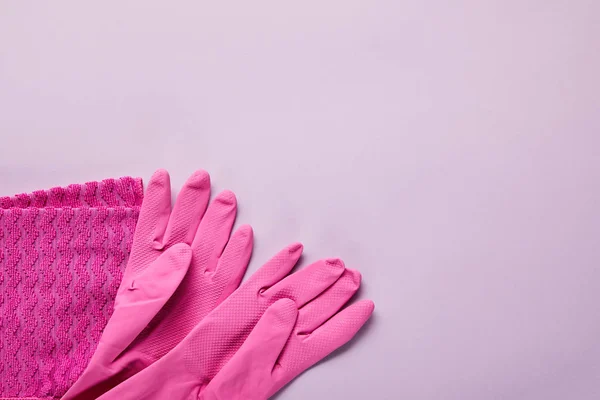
[62, 256]
[125, 191]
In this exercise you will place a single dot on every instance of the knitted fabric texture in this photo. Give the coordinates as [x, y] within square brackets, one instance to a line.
[62, 256]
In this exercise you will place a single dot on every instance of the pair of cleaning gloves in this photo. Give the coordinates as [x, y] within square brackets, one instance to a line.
[184, 328]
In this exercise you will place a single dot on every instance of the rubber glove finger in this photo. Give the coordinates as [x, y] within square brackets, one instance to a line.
[308, 283]
[303, 353]
[214, 231]
[319, 310]
[233, 263]
[276, 268]
[189, 209]
[152, 222]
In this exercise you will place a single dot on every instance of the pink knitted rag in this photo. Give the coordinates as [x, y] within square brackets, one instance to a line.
[62, 255]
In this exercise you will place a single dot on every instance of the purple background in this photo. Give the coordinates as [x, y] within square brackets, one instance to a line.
[450, 152]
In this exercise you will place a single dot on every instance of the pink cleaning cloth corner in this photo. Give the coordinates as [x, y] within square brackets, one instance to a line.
[62, 256]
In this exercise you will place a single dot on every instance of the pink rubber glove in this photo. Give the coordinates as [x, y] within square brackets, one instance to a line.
[185, 371]
[287, 340]
[158, 303]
